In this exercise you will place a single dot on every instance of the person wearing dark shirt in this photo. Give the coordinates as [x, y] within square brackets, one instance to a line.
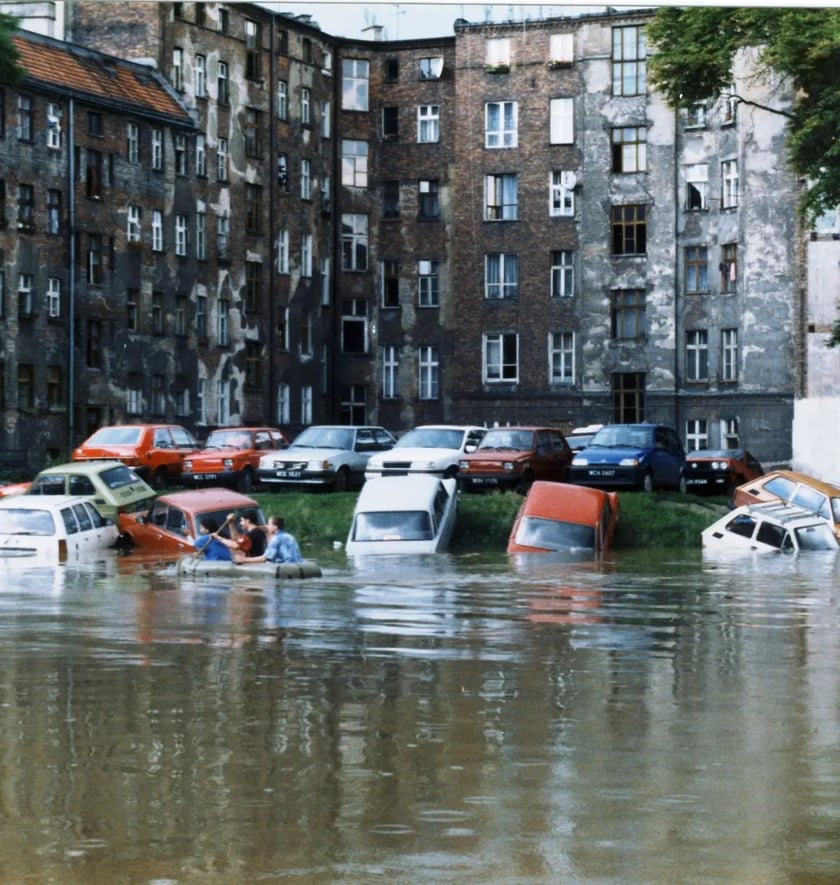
[249, 539]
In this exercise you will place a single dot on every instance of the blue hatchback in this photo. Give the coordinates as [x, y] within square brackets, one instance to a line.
[638, 456]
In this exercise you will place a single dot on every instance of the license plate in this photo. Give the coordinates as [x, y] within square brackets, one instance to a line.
[698, 482]
[602, 473]
[485, 481]
[203, 476]
[288, 474]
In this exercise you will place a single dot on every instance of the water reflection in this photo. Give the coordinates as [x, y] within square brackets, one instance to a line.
[451, 719]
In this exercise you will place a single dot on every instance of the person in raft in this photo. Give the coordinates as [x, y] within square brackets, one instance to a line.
[281, 547]
[250, 540]
[208, 542]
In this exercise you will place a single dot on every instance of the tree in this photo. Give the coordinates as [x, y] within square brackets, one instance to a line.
[10, 70]
[692, 56]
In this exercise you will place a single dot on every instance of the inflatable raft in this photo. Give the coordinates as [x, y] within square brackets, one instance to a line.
[192, 565]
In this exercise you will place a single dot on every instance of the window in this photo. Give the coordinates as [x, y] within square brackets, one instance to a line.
[729, 184]
[730, 433]
[53, 297]
[306, 50]
[629, 149]
[201, 76]
[26, 207]
[305, 106]
[428, 365]
[24, 118]
[561, 357]
[306, 255]
[25, 305]
[200, 236]
[561, 189]
[431, 68]
[501, 124]
[501, 357]
[354, 242]
[93, 344]
[157, 149]
[282, 42]
[390, 281]
[53, 126]
[222, 324]
[729, 355]
[306, 333]
[354, 163]
[354, 326]
[501, 200]
[729, 268]
[390, 372]
[695, 116]
[629, 230]
[132, 317]
[26, 386]
[305, 180]
[696, 269]
[306, 404]
[181, 304]
[55, 387]
[201, 317]
[253, 364]
[180, 154]
[501, 275]
[697, 355]
[391, 198]
[326, 190]
[355, 76]
[253, 208]
[696, 434]
[562, 121]
[391, 123]
[325, 280]
[132, 143]
[222, 84]
[628, 395]
[224, 394]
[428, 123]
[697, 186]
[428, 283]
[180, 234]
[629, 68]
[134, 399]
[326, 115]
[428, 204]
[627, 314]
[497, 52]
[157, 313]
[326, 62]
[730, 106]
[282, 251]
[94, 259]
[132, 234]
[201, 401]
[200, 156]
[223, 237]
[282, 100]
[253, 132]
[353, 400]
[182, 400]
[94, 121]
[283, 404]
[157, 230]
[562, 273]
[178, 69]
[282, 172]
[253, 47]
[93, 174]
[283, 328]
[561, 48]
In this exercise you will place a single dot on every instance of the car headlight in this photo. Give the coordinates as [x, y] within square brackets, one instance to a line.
[463, 465]
[228, 463]
[628, 462]
[580, 461]
[718, 465]
[187, 465]
[508, 465]
[318, 465]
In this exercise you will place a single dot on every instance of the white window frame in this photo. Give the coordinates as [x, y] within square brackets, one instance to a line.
[354, 162]
[157, 149]
[502, 132]
[282, 403]
[200, 155]
[355, 241]
[305, 180]
[728, 355]
[497, 51]
[390, 372]
[355, 84]
[282, 100]
[428, 372]
[325, 280]
[504, 266]
[306, 404]
[305, 106]
[53, 297]
[132, 143]
[223, 397]
[200, 401]
[494, 368]
[729, 184]
[223, 322]
[561, 357]
[501, 197]
[431, 67]
[561, 120]
[697, 355]
[306, 255]
[178, 69]
[561, 193]
[134, 401]
[222, 83]
[282, 251]
[54, 126]
[157, 230]
[200, 236]
[428, 283]
[25, 293]
[561, 48]
[326, 119]
[562, 282]
[223, 235]
[428, 124]
[697, 187]
[696, 434]
[222, 160]
[132, 229]
[201, 76]
[730, 433]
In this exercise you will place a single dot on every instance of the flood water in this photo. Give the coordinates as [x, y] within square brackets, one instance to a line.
[447, 719]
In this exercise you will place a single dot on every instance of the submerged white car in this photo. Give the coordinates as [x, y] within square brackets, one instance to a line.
[769, 528]
[431, 448]
[51, 529]
[412, 514]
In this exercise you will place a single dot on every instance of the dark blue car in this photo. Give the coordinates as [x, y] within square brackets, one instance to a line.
[636, 456]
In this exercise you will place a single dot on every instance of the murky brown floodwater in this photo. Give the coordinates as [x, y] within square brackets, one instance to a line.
[445, 720]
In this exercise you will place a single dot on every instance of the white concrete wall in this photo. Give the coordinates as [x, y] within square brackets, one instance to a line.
[816, 434]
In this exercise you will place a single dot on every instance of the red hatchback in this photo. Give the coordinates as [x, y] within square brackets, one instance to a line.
[231, 456]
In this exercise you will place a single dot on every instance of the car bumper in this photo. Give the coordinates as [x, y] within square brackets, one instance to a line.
[296, 477]
[707, 484]
[213, 477]
[404, 471]
[488, 482]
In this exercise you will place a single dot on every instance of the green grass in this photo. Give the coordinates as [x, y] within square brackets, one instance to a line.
[659, 520]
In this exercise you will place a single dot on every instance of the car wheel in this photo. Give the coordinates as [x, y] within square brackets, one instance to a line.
[647, 482]
[683, 485]
[246, 481]
[158, 480]
[342, 480]
[451, 472]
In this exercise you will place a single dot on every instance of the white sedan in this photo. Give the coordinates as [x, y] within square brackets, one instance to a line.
[431, 448]
[52, 529]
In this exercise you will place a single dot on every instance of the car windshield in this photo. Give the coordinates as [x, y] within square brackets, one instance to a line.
[229, 439]
[324, 438]
[119, 476]
[519, 440]
[400, 525]
[716, 453]
[549, 534]
[816, 537]
[622, 436]
[432, 438]
[116, 436]
[26, 522]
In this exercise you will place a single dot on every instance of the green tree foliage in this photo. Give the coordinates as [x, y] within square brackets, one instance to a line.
[10, 69]
[692, 55]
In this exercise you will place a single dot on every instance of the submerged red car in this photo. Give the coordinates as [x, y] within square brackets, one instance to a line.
[557, 516]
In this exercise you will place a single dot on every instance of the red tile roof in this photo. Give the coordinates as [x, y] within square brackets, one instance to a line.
[103, 77]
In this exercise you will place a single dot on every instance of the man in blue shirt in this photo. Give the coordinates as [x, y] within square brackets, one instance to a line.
[208, 544]
[281, 547]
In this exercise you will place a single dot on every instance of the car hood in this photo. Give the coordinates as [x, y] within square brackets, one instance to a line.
[418, 453]
[604, 455]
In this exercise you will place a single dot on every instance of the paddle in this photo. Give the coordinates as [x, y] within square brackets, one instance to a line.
[200, 552]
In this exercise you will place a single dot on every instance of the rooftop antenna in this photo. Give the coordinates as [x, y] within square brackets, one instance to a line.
[397, 13]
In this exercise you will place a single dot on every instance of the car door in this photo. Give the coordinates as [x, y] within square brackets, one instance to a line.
[669, 457]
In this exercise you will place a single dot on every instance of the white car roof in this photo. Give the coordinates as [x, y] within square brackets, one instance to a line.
[41, 502]
[390, 493]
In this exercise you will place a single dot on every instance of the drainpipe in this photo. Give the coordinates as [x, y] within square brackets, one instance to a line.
[677, 416]
[71, 276]
[272, 225]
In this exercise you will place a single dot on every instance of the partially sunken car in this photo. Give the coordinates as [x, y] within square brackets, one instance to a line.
[171, 524]
[430, 448]
[769, 528]
[415, 514]
[719, 471]
[110, 486]
[564, 517]
[53, 530]
[326, 456]
[513, 457]
[231, 456]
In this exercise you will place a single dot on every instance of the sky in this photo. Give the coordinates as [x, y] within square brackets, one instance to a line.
[414, 19]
